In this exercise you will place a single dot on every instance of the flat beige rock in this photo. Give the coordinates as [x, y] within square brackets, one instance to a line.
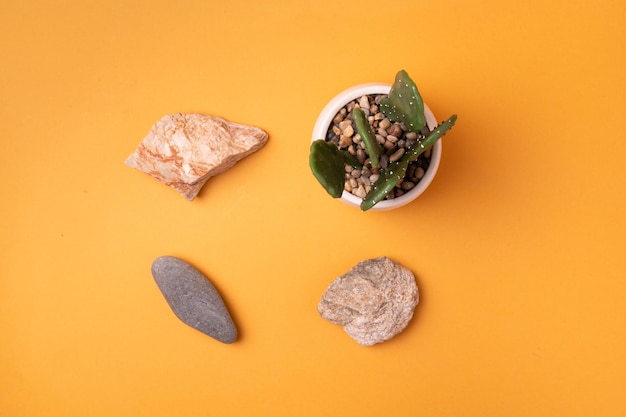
[185, 150]
[374, 301]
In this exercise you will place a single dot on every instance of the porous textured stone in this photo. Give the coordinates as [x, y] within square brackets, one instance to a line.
[373, 301]
[193, 298]
[184, 150]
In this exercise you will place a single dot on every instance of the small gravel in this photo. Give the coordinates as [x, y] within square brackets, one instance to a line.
[394, 138]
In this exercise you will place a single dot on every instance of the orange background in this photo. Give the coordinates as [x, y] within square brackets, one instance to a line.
[518, 246]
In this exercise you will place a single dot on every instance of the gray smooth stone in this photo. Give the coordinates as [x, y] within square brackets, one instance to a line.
[193, 298]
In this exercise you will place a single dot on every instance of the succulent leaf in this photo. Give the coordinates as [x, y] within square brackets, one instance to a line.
[374, 150]
[387, 181]
[414, 152]
[404, 103]
[396, 171]
[327, 164]
[349, 159]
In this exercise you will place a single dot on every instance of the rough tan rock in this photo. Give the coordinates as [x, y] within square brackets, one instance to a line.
[373, 301]
[185, 150]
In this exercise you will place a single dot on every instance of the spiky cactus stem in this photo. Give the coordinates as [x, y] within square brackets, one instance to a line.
[373, 148]
[396, 171]
[327, 164]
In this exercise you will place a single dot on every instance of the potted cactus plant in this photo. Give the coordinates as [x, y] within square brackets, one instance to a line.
[377, 146]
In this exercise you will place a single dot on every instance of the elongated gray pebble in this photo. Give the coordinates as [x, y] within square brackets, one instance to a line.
[193, 298]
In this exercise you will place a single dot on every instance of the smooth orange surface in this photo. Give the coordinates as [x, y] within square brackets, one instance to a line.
[518, 246]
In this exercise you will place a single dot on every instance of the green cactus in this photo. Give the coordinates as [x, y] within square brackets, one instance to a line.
[396, 171]
[373, 148]
[414, 152]
[404, 103]
[349, 159]
[327, 164]
[388, 179]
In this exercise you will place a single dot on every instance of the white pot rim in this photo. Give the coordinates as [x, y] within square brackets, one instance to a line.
[325, 119]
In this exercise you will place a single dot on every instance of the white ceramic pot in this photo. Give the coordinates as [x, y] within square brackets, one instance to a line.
[332, 108]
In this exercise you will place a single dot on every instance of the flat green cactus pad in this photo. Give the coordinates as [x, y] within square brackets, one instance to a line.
[327, 164]
[404, 103]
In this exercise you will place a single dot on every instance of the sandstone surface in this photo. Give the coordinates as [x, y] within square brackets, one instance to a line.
[184, 150]
[373, 301]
